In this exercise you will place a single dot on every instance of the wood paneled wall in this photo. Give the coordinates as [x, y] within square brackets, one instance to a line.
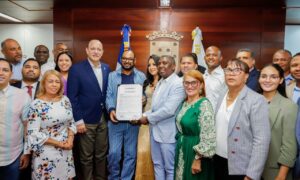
[260, 29]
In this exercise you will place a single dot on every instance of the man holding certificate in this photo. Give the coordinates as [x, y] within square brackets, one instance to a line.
[123, 90]
[168, 95]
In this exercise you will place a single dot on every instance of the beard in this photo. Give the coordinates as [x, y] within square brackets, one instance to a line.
[31, 79]
[127, 68]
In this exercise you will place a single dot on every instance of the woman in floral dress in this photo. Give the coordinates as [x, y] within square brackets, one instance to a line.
[51, 131]
[196, 137]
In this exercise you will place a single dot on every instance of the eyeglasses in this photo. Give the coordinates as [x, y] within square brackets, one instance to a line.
[127, 59]
[191, 83]
[235, 71]
[272, 77]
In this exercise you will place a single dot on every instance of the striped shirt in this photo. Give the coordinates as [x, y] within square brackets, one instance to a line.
[14, 105]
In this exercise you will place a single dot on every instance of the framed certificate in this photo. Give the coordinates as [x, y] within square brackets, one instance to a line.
[129, 102]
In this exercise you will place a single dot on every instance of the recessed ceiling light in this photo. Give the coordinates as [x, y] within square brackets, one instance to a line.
[9, 18]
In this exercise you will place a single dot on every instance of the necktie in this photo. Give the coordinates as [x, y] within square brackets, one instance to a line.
[29, 90]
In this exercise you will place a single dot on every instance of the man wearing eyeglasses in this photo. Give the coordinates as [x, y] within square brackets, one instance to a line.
[87, 84]
[122, 134]
[214, 74]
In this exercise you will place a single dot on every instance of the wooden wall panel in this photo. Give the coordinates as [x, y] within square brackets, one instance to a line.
[261, 29]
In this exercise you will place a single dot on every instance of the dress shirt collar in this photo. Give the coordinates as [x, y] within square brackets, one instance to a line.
[25, 85]
[93, 66]
[217, 71]
[289, 77]
[169, 77]
[5, 90]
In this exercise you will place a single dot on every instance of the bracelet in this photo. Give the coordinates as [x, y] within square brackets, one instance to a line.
[198, 156]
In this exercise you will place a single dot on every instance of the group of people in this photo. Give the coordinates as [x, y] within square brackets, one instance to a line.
[235, 123]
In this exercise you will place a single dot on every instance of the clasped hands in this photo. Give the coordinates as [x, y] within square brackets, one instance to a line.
[67, 145]
[142, 120]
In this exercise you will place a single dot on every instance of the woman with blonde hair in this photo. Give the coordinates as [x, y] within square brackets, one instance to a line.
[196, 137]
[51, 130]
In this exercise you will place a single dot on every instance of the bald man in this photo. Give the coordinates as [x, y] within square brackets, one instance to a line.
[12, 52]
[283, 57]
[41, 54]
[122, 134]
[87, 84]
[214, 74]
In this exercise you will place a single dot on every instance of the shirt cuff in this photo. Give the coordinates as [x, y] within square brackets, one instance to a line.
[111, 109]
[79, 122]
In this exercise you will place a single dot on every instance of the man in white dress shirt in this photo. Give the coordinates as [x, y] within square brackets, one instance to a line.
[214, 74]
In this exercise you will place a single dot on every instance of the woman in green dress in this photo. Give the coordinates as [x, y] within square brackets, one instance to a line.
[196, 137]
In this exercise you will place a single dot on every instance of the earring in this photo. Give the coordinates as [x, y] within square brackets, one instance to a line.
[200, 91]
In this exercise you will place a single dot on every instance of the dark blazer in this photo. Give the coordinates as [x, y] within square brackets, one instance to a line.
[19, 85]
[252, 81]
[85, 94]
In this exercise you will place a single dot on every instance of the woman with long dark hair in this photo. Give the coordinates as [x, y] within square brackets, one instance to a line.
[144, 165]
[64, 62]
[282, 116]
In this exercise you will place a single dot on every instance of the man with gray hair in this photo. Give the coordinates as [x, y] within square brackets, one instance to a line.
[168, 95]
[247, 56]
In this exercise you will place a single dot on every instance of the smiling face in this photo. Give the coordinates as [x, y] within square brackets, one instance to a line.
[187, 64]
[64, 63]
[94, 51]
[282, 59]
[212, 57]
[295, 68]
[128, 60]
[269, 79]
[31, 71]
[192, 86]
[52, 85]
[5, 74]
[152, 67]
[165, 67]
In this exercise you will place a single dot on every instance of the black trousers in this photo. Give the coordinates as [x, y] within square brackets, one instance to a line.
[221, 170]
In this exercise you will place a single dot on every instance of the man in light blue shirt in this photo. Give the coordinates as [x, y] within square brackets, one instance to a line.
[122, 133]
[12, 52]
[283, 57]
[14, 105]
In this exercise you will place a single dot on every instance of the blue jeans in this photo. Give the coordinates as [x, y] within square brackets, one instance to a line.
[119, 135]
[11, 171]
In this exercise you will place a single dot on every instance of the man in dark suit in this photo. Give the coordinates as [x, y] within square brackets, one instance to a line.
[247, 56]
[31, 71]
[87, 83]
